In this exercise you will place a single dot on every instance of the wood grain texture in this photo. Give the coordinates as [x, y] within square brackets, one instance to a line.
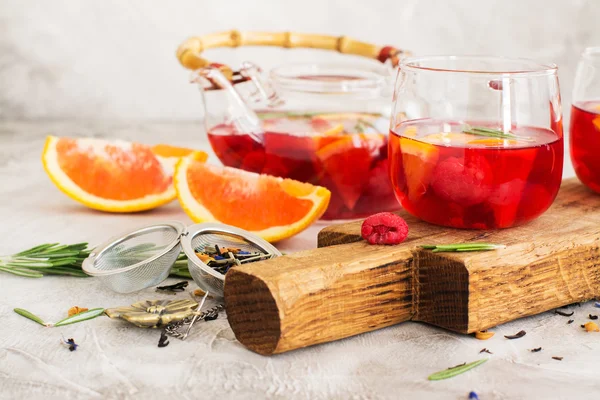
[346, 289]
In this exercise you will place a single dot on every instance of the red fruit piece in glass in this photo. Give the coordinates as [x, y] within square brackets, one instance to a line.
[465, 181]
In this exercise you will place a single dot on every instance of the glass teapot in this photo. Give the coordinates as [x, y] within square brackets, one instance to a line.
[325, 124]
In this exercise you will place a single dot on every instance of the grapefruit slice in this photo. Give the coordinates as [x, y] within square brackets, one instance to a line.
[347, 161]
[113, 176]
[418, 160]
[273, 208]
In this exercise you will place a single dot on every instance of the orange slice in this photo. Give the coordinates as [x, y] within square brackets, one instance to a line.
[596, 122]
[347, 161]
[336, 130]
[419, 160]
[493, 142]
[113, 176]
[273, 208]
[450, 137]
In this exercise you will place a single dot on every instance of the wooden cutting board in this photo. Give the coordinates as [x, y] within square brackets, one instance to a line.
[347, 287]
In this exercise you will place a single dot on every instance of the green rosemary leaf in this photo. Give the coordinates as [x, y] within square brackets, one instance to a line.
[180, 273]
[61, 262]
[462, 247]
[30, 315]
[84, 316]
[65, 271]
[22, 272]
[35, 249]
[29, 264]
[451, 372]
[63, 254]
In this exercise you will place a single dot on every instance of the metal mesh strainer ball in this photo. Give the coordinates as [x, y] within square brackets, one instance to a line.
[136, 260]
[211, 234]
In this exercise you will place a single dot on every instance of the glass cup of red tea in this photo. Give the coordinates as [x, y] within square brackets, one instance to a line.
[476, 142]
[585, 120]
[325, 124]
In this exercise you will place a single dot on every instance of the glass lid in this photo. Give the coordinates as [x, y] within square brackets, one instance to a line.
[338, 79]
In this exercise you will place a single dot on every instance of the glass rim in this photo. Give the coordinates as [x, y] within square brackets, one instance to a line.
[365, 78]
[411, 64]
[591, 51]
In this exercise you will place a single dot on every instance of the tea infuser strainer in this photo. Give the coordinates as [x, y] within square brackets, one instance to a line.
[138, 259]
[144, 257]
[209, 234]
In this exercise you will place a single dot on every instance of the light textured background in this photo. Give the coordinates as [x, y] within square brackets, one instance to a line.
[115, 60]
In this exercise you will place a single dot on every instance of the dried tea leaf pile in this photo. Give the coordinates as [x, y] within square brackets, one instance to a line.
[221, 259]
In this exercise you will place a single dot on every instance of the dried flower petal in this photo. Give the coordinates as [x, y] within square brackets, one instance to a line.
[591, 327]
[204, 257]
[76, 310]
[483, 335]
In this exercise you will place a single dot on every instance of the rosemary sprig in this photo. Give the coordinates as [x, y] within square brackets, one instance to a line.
[66, 260]
[49, 258]
[493, 133]
[459, 369]
[462, 247]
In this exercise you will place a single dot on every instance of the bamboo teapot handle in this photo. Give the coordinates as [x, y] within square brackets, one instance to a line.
[189, 52]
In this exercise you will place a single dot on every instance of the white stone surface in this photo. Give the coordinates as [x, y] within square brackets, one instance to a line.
[115, 59]
[118, 361]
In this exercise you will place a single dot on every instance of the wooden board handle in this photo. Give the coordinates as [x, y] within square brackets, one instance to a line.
[189, 52]
[318, 296]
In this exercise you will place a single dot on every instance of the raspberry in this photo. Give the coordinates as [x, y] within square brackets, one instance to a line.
[384, 228]
[463, 181]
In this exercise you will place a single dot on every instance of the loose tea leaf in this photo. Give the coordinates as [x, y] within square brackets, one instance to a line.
[564, 314]
[558, 358]
[177, 287]
[570, 321]
[221, 259]
[449, 373]
[484, 350]
[84, 316]
[536, 350]
[462, 247]
[593, 317]
[516, 335]
[163, 341]
[30, 315]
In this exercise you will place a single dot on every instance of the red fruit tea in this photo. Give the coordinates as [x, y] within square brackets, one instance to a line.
[346, 153]
[448, 177]
[585, 143]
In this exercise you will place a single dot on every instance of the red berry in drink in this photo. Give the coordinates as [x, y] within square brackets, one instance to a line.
[384, 228]
[465, 181]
